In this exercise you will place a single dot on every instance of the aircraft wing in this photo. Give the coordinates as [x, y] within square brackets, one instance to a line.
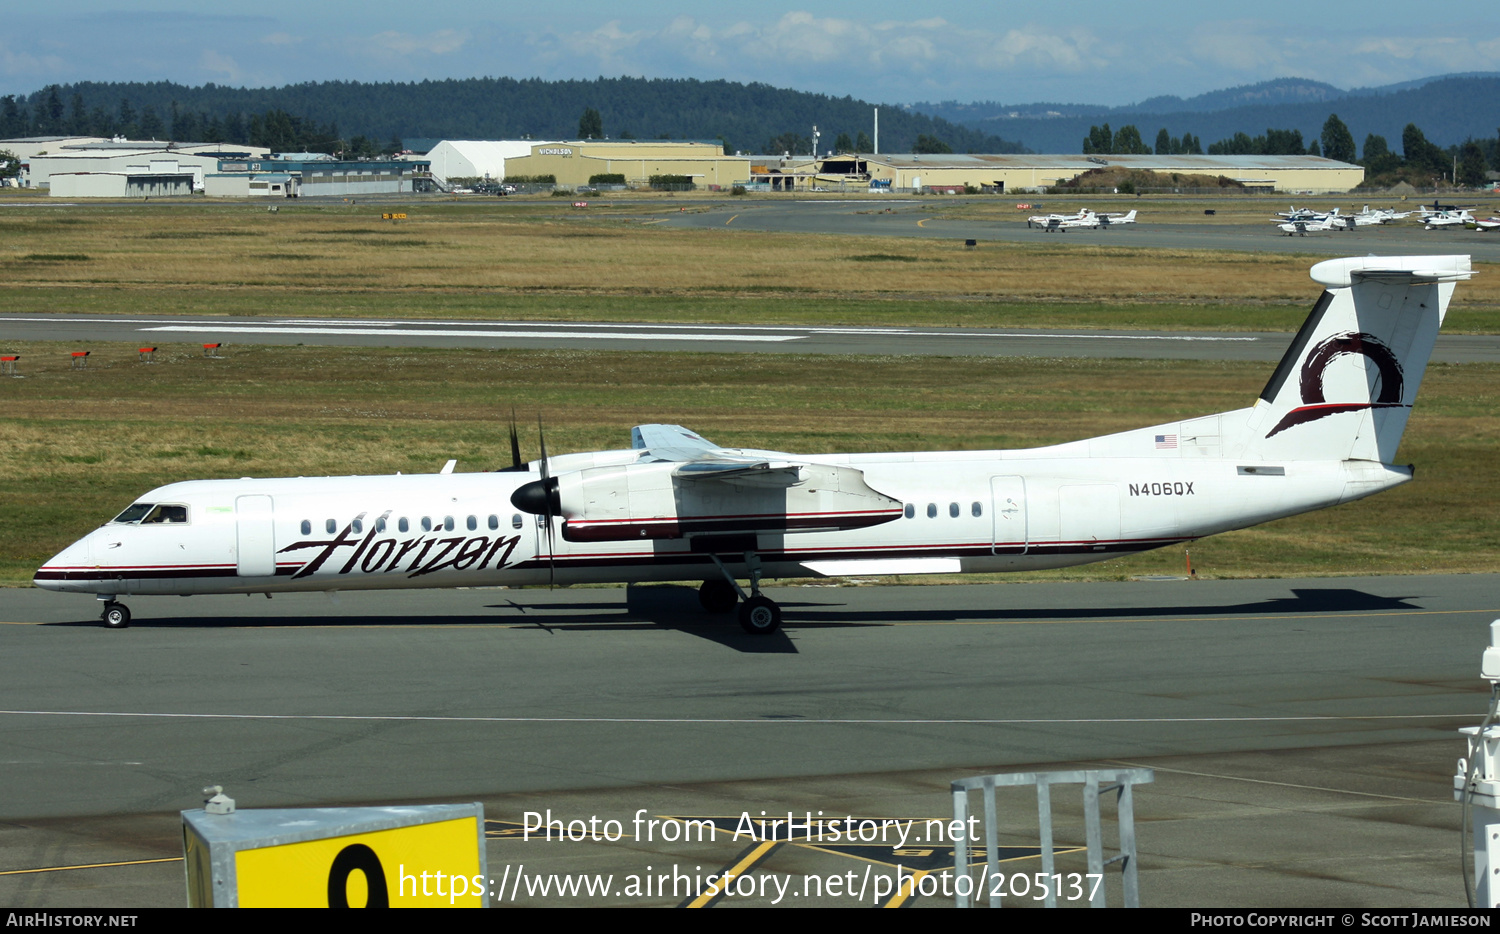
[673, 443]
[684, 485]
[697, 458]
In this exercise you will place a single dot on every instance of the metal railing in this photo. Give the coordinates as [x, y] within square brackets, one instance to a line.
[1096, 783]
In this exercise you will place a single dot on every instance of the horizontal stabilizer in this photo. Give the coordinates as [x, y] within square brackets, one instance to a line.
[1341, 273]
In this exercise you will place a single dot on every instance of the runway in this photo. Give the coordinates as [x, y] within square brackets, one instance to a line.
[660, 338]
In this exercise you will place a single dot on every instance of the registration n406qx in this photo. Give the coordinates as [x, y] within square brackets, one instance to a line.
[675, 506]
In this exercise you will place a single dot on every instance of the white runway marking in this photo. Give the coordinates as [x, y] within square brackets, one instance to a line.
[572, 329]
[423, 332]
[855, 721]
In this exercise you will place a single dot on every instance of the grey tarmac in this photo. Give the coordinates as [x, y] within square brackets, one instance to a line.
[1298, 724]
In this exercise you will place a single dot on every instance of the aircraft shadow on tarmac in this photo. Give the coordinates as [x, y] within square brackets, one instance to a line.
[676, 609]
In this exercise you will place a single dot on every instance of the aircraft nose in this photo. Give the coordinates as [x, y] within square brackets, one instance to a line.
[66, 563]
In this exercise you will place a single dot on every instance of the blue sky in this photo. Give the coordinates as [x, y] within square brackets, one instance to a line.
[1087, 51]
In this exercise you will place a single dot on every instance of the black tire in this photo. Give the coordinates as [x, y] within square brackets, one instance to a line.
[760, 616]
[116, 616]
[718, 596]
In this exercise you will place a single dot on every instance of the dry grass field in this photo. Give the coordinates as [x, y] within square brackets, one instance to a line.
[76, 446]
[543, 260]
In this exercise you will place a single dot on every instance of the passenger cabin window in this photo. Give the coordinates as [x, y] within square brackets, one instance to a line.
[910, 510]
[515, 521]
[403, 525]
[447, 523]
[932, 510]
[166, 515]
[977, 509]
[953, 510]
[472, 523]
[427, 523]
[306, 527]
[380, 524]
[494, 522]
[330, 525]
[359, 526]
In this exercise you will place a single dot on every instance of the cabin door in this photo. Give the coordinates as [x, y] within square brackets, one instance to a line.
[255, 536]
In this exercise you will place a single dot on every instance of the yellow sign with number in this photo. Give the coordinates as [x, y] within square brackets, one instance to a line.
[422, 866]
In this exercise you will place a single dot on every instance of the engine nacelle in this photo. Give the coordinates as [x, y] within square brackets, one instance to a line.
[635, 502]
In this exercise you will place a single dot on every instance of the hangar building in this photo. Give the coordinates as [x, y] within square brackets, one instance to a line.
[919, 172]
[129, 157]
[576, 161]
[310, 174]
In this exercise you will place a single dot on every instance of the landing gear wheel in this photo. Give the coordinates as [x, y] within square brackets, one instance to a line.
[116, 616]
[760, 616]
[718, 596]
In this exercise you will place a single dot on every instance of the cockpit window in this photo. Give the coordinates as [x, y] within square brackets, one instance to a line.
[133, 513]
[166, 514]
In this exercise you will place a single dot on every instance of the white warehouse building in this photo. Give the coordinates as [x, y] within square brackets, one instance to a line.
[477, 158]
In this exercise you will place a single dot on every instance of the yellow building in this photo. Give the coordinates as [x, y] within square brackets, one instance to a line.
[917, 172]
[575, 162]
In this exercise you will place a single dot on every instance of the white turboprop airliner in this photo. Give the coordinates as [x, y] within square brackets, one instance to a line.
[674, 506]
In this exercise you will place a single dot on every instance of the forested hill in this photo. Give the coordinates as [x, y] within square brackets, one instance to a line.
[749, 117]
[1449, 110]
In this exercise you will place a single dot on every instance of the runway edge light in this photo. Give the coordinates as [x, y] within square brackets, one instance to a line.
[422, 856]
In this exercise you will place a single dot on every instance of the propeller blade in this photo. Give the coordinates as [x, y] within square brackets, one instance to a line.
[515, 445]
[516, 464]
[541, 435]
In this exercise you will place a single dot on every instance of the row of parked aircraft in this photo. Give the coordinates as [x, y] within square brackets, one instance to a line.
[1303, 221]
[675, 506]
[1084, 219]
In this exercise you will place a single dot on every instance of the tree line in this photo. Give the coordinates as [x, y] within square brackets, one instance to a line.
[1420, 162]
[743, 117]
[274, 128]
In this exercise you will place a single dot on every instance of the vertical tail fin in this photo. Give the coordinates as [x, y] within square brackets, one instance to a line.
[1346, 386]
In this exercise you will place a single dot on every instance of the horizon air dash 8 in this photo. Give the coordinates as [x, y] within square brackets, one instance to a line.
[674, 506]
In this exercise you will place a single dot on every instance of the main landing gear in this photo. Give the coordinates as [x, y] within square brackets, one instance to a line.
[115, 615]
[759, 615]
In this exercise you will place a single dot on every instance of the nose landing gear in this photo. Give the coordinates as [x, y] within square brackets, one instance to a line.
[115, 615]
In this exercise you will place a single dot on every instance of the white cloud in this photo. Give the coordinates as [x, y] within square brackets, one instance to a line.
[392, 43]
[221, 65]
[801, 46]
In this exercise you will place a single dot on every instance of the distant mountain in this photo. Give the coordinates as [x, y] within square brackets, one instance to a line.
[1448, 108]
[1278, 91]
[746, 116]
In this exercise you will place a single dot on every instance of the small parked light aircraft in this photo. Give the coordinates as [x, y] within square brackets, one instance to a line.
[1379, 216]
[1452, 217]
[674, 506]
[1051, 222]
[1302, 228]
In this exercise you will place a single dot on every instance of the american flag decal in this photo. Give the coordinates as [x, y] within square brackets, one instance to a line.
[1166, 442]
